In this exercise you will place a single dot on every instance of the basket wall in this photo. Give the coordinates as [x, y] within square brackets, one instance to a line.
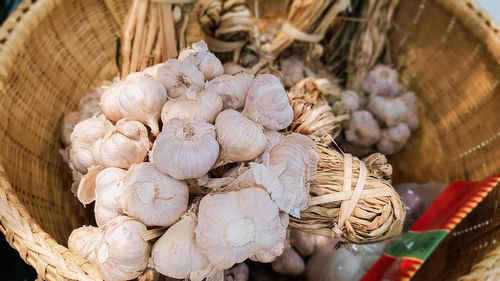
[51, 51]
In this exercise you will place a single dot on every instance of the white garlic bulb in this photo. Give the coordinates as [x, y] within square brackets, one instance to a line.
[185, 149]
[138, 98]
[177, 77]
[232, 68]
[232, 89]
[126, 144]
[298, 155]
[278, 248]
[351, 100]
[199, 56]
[239, 272]
[107, 191]
[200, 106]
[237, 225]
[86, 187]
[267, 103]
[69, 122]
[292, 69]
[303, 242]
[363, 129]
[153, 70]
[175, 254]
[240, 138]
[411, 116]
[390, 110]
[83, 137]
[382, 80]
[153, 197]
[393, 139]
[83, 241]
[289, 263]
[122, 254]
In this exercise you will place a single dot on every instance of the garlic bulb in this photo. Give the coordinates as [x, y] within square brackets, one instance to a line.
[83, 241]
[83, 137]
[153, 197]
[390, 111]
[122, 254]
[107, 191]
[278, 249]
[298, 156]
[153, 70]
[232, 68]
[293, 70]
[393, 139]
[185, 149]
[200, 106]
[69, 122]
[177, 77]
[272, 138]
[240, 138]
[126, 144]
[289, 263]
[382, 81]
[267, 103]
[411, 116]
[363, 129]
[351, 100]
[232, 89]
[199, 56]
[303, 242]
[176, 255]
[138, 98]
[236, 225]
[239, 272]
[86, 188]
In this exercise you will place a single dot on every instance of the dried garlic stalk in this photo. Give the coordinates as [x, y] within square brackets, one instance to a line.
[351, 201]
[312, 114]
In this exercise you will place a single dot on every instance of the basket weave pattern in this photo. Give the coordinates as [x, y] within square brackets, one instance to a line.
[53, 51]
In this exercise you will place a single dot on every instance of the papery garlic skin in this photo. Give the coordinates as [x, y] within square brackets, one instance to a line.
[200, 106]
[351, 100]
[393, 139]
[382, 81]
[278, 249]
[240, 138]
[177, 77]
[138, 98]
[232, 89]
[293, 70]
[185, 149]
[411, 116]
[363, 129]
[289, 263]
[175, 254]
[126, 144]
[107, 192]
[83, 137]
[83, 241]
[152, 196]
[153, 70]
[390, 111]
[236, 225]
[86, 187]
[199, 56]
[267, 103]
[122, 254]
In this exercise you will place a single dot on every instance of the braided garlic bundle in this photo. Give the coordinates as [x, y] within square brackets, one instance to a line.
[352, 201]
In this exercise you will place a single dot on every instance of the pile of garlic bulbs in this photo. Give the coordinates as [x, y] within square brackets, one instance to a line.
[383, 116]
[170, 131]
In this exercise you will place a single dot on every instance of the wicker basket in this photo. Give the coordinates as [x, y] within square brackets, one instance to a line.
[52, 51]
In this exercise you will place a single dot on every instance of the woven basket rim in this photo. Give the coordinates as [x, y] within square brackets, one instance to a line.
[37, 248]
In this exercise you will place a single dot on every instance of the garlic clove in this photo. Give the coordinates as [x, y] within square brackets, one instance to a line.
[176, 255]
[122, 254]
[382, 81]
[83, 137]
[351, 100]
[393, 139]
[240, 138]
[303, 242]
[84, 240]
[267, 103]
[390, 111]
[110, 103]
[199, 56]
[289, 263]
[86, 188]
[200, 106]
[107, 191]
[363, 129]
[236, 225]
[177, 77]
[153, 197]
[127, 144]
[232, 89]
[185, 149]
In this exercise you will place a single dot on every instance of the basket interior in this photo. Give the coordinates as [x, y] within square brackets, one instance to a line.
[74, 47]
